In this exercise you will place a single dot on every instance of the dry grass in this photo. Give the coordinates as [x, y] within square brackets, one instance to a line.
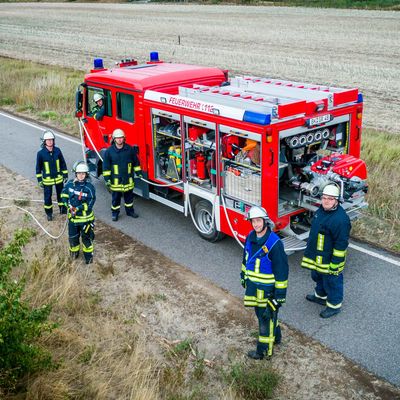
[350, 48]
[155, 330]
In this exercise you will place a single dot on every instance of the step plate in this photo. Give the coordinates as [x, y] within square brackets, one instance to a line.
[292, 244]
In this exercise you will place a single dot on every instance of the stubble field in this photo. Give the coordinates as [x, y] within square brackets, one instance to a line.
[349, 48]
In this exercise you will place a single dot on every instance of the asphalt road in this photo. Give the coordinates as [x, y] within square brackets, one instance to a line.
[366, 331]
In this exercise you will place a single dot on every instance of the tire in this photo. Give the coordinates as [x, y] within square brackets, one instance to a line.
[203, 218]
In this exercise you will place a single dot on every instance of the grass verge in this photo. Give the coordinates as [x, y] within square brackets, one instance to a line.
[47, 93]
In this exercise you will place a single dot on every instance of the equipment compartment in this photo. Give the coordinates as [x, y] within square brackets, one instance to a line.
[200, 147]
[167, 145]
[241, 165]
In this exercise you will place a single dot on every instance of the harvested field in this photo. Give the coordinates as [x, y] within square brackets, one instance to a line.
[333, 47]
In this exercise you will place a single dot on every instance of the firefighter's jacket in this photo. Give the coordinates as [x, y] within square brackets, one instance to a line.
[79, 198]
[51, 168]
[328, 241]
[98, 112]
[119, 168]
[265, 269]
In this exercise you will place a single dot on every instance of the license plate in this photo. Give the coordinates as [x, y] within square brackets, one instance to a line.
[319, 120]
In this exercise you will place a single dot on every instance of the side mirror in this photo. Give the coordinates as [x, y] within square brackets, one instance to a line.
[78, 103]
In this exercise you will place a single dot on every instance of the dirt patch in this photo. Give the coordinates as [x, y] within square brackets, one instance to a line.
[132, 282]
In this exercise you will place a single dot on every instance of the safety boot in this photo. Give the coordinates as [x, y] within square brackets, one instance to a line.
[89, 260]
[49, 217]
[63, 210]
[114, 217]
[329, 312]
[314, 299]
[132, 214]
[255, 355]
[74, 254]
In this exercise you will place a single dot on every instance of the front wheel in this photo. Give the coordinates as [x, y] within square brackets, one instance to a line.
[206, 226]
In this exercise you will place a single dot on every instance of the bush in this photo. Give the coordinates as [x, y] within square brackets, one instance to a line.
[20, 326]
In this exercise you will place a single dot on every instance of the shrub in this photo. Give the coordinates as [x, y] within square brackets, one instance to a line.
[20, 326]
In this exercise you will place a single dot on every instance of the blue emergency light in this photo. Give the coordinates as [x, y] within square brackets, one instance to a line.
[98, 63]
[154, 56]
[257, 118]
[360, 98]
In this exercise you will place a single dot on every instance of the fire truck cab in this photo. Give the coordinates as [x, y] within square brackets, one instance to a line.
[211, 147]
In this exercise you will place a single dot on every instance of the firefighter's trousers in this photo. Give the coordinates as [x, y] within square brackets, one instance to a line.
[48, 203]
[75, 231]
[267, 337]
[116, 202]
[329, 287]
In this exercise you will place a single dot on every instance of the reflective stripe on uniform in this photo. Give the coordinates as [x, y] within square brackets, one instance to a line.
[281, 284]
[339, 253]
[335, 306]
[320, 241]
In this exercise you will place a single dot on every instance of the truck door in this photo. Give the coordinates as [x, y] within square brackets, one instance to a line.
[99, 130]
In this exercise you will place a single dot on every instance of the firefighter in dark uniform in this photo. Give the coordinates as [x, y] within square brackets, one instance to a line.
[326, 251]
[79, 196]
[264, 275]
[119, 167]
[51, 170]
[99, 109]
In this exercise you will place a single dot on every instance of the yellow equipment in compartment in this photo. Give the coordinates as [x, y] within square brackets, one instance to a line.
[175, 163]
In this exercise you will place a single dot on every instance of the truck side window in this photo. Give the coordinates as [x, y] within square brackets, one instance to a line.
[125, 107]
[91, 106]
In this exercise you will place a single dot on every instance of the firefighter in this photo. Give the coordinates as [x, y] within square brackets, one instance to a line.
[326, 251]
[264, 276]
[120, 165]
[51, 170]
[79, 196]
[99, 109]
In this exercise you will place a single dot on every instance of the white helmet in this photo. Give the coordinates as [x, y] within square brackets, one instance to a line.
[48, 135]
[97, 97]
[331, 190]
[82, 167]
[257, 212]
[118, 133]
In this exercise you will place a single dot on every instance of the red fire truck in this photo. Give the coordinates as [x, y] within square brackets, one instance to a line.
[211, 147]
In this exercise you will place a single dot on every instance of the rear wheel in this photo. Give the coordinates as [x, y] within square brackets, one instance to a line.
[204, 220]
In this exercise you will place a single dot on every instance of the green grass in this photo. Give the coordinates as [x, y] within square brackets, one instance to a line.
[43, 92]
[252, 382]
[360, 4]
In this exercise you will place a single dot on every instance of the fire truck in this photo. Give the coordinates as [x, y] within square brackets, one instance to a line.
[211, 146]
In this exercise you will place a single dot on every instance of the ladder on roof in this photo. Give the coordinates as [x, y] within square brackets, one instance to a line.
[239, 97]
[296, 90]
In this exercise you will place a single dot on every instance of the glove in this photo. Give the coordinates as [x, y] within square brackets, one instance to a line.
[108, 184]
[40, 184]
[273, 305]
[243, 282]
[72, 211]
